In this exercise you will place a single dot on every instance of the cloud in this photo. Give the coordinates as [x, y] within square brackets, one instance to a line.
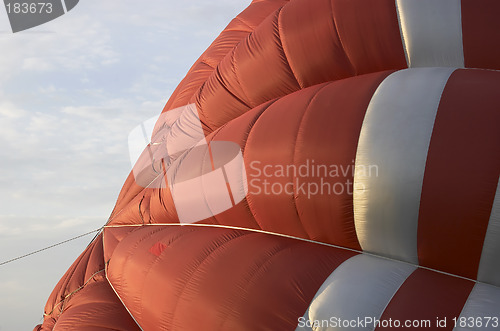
[36, 64]
[58, 51]
[9, 110]
[70, 92]
[50, 89]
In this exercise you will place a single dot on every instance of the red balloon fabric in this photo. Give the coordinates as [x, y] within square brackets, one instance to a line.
[324, 165]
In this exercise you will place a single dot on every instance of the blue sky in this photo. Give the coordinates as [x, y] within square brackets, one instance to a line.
[70, 92]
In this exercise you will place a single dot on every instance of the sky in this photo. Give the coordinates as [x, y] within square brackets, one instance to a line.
[71, 90]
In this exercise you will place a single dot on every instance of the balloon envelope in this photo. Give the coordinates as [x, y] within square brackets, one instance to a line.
[324, 165]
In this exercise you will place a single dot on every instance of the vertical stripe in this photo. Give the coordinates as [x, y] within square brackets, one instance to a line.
[390, 160]
[461, 174]
[432, 32]
[482, 306]
[335, 115]
[360, 287]
[398, 12]
[481, 33]
[369, 34]
[427, 299]
[489, 266]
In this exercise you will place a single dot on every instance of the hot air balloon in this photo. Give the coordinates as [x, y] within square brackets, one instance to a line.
[324, 165]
